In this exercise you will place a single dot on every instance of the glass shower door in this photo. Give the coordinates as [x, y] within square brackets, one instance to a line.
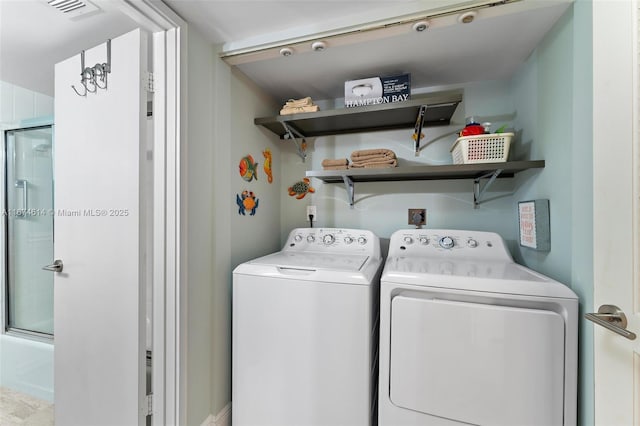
[29, 229]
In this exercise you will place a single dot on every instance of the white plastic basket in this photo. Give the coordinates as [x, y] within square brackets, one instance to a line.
[490, 148]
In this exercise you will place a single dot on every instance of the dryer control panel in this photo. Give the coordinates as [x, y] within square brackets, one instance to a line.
[333, 240]
[448, 243]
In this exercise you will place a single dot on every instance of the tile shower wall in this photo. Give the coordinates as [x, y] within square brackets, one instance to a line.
[18, 104]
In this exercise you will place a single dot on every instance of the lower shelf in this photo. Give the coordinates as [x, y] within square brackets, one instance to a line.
[477, 172]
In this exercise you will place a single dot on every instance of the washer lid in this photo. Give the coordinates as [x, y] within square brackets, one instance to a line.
[468, 268]
[313, 260]
[474, 275]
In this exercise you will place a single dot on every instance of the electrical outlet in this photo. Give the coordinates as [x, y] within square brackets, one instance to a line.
[417, 217]
[311, 210]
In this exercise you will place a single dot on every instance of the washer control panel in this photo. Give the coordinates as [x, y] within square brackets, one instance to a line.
[448, 243]
[332, 240]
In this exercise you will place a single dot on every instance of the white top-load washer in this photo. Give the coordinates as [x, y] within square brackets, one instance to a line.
[467, 336]
[305, 331]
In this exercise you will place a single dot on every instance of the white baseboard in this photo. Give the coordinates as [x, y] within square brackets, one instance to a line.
[223, 418]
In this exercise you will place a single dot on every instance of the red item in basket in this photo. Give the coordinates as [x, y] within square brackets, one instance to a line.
[472, 130]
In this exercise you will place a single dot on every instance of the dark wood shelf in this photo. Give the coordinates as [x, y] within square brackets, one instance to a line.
[490, 171]
[399, 115]
[450, 171]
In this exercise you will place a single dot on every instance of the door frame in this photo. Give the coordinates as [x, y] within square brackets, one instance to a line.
[168, 35]
[615, 213]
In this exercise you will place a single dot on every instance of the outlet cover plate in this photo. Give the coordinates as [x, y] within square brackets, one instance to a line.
[312, 210]
[415, 214]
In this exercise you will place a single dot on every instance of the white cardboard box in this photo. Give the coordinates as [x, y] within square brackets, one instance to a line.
[377, 90]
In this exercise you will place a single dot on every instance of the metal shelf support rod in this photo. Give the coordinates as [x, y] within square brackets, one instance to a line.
[348, 184]
[479, 192]
[417, 131]
[291, 134]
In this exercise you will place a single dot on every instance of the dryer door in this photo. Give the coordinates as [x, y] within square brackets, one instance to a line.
[477, 363]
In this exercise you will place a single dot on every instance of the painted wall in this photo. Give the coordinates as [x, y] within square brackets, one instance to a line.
[382, 206]
[553, 98]
[237, 237]
[197, 193]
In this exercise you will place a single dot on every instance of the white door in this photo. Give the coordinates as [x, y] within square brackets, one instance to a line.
[99, 303]
[616, 208]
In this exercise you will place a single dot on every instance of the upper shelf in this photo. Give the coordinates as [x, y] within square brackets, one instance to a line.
[399, 115]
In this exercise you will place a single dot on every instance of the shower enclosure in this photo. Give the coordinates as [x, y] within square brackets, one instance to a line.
[26, 365]
[29, 225]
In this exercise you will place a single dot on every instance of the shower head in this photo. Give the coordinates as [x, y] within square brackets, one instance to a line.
[43, 147]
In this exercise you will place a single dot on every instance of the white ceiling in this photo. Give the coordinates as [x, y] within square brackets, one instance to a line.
[491, 48]
[34, 36]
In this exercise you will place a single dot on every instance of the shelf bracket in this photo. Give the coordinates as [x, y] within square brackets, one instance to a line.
[417, 130]
[478, 192]
[301, 147]
[348, 185]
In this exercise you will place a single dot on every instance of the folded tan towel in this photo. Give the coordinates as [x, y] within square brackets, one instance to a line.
[381, 165]
[295, 110]
[294, 106]
[336, 162]
[374, 158]
[378, 152]
[299, 102]
[345, 167]
[374, 164]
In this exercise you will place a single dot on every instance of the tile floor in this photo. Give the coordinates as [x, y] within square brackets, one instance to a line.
[18, 409]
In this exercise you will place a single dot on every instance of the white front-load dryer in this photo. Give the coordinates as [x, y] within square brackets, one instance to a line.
[467, 336]
[304, 334]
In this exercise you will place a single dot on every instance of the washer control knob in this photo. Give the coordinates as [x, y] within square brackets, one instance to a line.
[297, 238]
[311, 238]
[408, 240]
[328, 239]
[472, 243]
[424, 240]
[446, 242]
[362, 240]
[348, 240]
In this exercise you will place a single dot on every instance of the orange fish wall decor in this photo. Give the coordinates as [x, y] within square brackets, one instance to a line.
[248, 168]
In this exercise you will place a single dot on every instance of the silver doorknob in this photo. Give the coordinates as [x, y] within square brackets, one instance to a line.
[612, 318]
[56, 266]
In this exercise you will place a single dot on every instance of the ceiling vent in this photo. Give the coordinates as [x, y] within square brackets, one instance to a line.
[74, 9]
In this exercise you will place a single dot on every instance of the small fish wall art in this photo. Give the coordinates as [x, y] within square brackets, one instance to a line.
[301, 188]
[247, 202]
[268, 160]
[248, 168]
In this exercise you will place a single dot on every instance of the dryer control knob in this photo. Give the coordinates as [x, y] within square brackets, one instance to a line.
[424, 240]
[348, 240]
[311, 238]
[446, 242]
[408, 240]
[328, 239]
[362, 240]
[297, 238]
[472, 243]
